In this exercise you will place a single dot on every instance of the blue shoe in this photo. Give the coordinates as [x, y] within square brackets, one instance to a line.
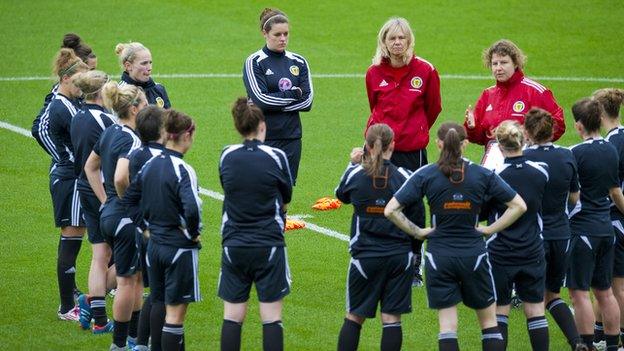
[131, 342]
[85, 312]
[107, 328]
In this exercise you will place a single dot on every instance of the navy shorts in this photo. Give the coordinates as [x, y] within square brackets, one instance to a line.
[142, 243]
[121, 234]
[557, 254]
[618, 250]
[91, 211]
[529, 281]
[384, 281]
[591, 263]
[66, 202]
[266, 267]
[292, 149]
[451, 280]
[173, 273]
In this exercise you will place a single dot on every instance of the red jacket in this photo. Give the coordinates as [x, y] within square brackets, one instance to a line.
[510, 101]
[407, 99]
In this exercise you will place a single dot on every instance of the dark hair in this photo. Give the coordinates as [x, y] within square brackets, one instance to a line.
[611, 100]
[504, 47]
[66, 63]
[451, 134]
[149, 123]
[509, 135]
[588, 112]
[269, 17]
[378, 139]
[176, 124]
[539, 125]
[74, 42]
[247, 116]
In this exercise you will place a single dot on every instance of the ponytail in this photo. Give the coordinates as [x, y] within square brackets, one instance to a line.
[378, 140]
[452, 135]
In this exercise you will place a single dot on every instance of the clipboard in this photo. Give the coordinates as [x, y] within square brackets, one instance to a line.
[493, 157]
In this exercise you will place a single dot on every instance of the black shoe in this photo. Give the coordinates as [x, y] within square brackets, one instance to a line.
[418, 281]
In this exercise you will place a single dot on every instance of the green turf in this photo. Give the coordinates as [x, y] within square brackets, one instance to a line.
[561, 39]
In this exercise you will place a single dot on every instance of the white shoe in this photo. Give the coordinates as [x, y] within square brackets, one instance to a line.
[72, 315]
[601, 345]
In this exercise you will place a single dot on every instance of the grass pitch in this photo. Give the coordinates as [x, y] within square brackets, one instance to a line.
[562, 39]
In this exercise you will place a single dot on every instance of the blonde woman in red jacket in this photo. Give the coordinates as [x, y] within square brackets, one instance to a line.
[511, 97]
[404, 93]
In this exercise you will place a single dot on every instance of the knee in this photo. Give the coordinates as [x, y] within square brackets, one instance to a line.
[358, 319]
[532, 310]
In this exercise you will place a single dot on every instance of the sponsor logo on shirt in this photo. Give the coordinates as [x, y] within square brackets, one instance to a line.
[456, 205]
[383, 83]
[489, 108]
[375, 209]
[268, 72]
[284, 84]
[416, 82]
[294, 70]
[518, 106]
[160, 102]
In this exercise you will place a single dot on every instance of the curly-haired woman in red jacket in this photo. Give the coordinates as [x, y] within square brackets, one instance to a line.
[511, 97]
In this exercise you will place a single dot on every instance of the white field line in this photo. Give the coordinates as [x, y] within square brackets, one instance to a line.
[340, 75]
[210, 193]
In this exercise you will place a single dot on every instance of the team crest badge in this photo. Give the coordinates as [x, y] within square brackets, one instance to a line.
[416, 82]
[284, 84]
[518, 106]
[294, 70]
[160, 102]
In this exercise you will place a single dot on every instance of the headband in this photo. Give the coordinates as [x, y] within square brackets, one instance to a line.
[68, 69]
[190, 130]
[272, 17]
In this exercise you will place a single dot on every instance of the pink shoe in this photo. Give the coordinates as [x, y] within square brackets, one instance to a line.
[71, 315]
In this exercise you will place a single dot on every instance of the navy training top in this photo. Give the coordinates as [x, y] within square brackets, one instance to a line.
[616, 137]
[269, 78]
[598, 164]
[521, 241]
[86, 128]
[62, 110]
[562, 180]
[372, 234]
[115, 142]
[455, 206]
[257, 183]
[166, 194]
[155, 93]
[39, 129]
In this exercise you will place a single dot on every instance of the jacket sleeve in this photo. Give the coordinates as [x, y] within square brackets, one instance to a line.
[477, 134]
[433, 100]
[307, 91]
[257, 90]
[285, 181]
[342, 191]
[548, 103]
[132, 200]
[372, 101]
[188, 193]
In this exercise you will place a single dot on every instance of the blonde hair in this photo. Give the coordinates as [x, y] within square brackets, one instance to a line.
[120, 98]
[127, 51]
[504, 47]
[66, 63]
[392, 26]
[611, 99]
[90, 83]
[510, 136]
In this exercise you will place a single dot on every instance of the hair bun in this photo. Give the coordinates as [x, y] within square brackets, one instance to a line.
[71, 41]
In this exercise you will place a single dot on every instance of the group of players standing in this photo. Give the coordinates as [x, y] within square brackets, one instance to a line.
[118, 170]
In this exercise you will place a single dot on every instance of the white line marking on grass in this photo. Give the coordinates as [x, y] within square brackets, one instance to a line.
[339, 75]
[210, 193]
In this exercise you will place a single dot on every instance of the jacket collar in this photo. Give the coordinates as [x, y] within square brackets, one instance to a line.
[145, 85]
